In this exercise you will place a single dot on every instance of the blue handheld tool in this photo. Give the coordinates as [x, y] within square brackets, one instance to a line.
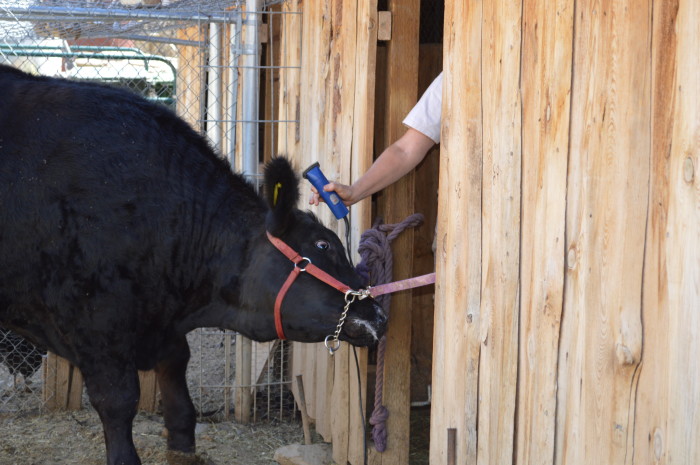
[315, 176]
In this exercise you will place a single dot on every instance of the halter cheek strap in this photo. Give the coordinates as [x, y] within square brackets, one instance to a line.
[312, 269]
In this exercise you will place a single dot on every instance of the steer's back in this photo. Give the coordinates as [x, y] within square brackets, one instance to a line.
[105, 198]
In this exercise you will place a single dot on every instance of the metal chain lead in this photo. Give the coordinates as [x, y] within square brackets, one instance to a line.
[332, 342]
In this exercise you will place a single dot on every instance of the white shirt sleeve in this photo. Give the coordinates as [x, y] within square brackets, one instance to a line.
[426, 115]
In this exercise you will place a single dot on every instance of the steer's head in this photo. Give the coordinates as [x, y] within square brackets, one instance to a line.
[311, 308]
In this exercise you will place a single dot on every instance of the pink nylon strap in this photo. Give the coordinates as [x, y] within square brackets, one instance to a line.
[402, 285]
[318, 273]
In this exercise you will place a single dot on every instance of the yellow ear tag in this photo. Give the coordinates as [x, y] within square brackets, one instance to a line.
[278, 186]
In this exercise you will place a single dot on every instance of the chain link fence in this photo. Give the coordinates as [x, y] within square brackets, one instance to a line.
[216, 63]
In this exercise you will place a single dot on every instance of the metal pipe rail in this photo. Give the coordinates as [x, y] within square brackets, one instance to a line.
[30, 51]
[33, 51]
[54, 13]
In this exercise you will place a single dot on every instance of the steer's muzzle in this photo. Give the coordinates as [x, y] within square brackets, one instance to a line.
[365, 328]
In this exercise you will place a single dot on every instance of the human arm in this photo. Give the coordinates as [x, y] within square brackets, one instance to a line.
[393, 163]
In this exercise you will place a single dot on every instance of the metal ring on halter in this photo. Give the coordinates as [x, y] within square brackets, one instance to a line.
[308, 260]
[331, 348]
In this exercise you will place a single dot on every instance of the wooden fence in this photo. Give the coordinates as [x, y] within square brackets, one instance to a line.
[568, 295]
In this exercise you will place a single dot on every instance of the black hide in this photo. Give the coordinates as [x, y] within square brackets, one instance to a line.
[121, 230]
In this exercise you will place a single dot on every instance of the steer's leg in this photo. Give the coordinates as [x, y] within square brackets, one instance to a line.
[178, 410]
[114, 392]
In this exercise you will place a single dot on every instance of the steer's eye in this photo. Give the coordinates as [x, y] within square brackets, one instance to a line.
[322, 245]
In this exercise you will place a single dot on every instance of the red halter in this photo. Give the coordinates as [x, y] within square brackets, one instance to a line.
[309, 267]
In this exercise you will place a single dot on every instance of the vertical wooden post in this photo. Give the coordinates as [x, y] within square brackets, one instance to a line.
[270, 80]
[301, 400]
[244, 397]
[601, 336]
[500, 259]
[666, 415]
[547, 66]
[63, 384]
[395, 204]
[336, 97]
[288, 137]
[148, 400]
[456, 344]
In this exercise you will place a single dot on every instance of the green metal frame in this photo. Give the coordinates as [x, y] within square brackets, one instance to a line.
[93, 52]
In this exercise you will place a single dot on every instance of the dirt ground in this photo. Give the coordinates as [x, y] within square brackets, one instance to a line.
[76, 438]
[31, 436]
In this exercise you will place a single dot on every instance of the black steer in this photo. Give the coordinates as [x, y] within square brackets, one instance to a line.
[121, 230]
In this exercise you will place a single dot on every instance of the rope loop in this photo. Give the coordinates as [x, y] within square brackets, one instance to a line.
[377, 263]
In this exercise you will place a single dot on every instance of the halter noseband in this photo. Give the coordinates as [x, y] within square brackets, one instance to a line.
[309, 267]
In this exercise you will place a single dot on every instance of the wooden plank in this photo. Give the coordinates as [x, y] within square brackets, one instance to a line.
[340, 113]
[384, 22]
[601, 338]
[148, 400]
[270, 79]
[425, 202]
[325, 368]
[666, 424]
[63, 384]
[243, 399]
[653, 428]
[314, 124]
[289, 143]
[64, 378]
[301, 404]
[289, 136]
[340, 404]
[458, 259]
[260, 359]
[75, 391]
[683, 264]
[652, 424]
[362, 155]
[363, 110]
[500, 286]
[335, 34]
[48, 372]
[546, 71]
[309, 370]
[395, 204]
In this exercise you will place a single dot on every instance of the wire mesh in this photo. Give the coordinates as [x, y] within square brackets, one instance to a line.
[20, 374]
[193, 56]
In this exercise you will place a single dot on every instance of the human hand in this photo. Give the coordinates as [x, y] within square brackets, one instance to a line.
[343, 191]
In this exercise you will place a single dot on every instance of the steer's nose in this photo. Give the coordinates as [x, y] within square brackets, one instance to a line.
[381, 320]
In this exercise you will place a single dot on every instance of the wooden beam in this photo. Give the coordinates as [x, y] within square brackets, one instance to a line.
[547, 68]
[148, 383]
[666, 421]
[459, 245]
[501, 187]
[243, 399]
[288, 137]
[425, 202]
[63, 384]
[396, 203]
[384, 22]
[601, 338]
[362, 155]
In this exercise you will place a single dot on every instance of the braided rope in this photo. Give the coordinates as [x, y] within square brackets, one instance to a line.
[377, 262]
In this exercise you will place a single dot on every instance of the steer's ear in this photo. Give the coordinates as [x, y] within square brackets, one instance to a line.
[281, 193]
